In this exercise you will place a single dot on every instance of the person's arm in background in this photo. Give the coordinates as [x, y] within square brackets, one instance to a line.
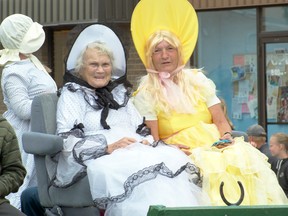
[12, 169]
[16, 90]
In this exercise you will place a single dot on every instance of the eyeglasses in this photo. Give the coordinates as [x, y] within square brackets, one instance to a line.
[95, 65]
[168, 49]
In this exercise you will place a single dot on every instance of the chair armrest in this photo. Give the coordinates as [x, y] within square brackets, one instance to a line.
[41, 144]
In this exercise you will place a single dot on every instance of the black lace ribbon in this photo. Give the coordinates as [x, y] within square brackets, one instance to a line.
[142, 129]
[104, 98]
[81, 155]
[79, 126]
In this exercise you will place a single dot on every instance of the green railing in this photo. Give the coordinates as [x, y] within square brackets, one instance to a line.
[275, 210]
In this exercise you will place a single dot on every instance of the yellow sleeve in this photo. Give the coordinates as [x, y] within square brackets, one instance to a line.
[142, 101]
[205, 85]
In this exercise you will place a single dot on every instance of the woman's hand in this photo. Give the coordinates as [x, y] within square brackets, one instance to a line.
[122, 143]
[183, 148]
[226, 136]
[145, 142]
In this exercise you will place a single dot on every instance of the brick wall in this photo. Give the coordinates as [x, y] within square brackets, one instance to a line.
[135, 67]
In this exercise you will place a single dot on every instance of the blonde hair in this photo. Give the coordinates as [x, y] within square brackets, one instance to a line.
[224, 108]
[193, 90]
[282, 138]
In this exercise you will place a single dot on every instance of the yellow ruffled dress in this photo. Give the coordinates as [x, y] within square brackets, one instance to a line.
[237, 162]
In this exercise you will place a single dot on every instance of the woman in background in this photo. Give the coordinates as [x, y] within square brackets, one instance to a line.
[279, 148]
[23, 78]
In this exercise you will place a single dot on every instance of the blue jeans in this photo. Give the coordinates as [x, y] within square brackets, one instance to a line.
[30, 202]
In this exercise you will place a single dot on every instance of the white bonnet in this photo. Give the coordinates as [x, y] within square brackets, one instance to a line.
[19, 34]
[100, 33]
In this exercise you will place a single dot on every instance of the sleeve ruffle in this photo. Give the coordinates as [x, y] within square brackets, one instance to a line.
[204, 85]
[142, 101]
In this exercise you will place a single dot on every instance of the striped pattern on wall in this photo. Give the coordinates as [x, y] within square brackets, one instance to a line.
[217, 4]
[63, 12]
[52, 12]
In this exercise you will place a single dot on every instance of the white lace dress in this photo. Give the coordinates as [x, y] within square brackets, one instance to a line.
[21, 82]
[130, 179]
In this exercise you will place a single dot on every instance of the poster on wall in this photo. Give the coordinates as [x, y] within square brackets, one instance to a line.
[272, 95]
[236, 108]
[243, 73]
[238, 72]
[253, 107]
[282, 115]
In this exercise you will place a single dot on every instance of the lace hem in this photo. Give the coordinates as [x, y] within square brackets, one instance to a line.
[147, 174]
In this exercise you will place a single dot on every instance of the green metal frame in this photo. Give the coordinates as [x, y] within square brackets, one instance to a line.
[275, 210]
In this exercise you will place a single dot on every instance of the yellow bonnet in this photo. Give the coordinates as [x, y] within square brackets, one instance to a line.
[178, 17]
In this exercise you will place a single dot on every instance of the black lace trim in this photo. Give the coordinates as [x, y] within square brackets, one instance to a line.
[90, 153]
[83, 155]
[143, 130]
[76, 131]
[146, 174]
[156, 143]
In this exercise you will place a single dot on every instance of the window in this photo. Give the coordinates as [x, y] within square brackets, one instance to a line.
[227, 49]
[275, 19]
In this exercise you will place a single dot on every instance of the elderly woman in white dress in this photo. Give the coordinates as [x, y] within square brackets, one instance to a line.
[105, 137]
[23, 78]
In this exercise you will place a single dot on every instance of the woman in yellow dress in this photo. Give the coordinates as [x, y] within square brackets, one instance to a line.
[181, 107]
